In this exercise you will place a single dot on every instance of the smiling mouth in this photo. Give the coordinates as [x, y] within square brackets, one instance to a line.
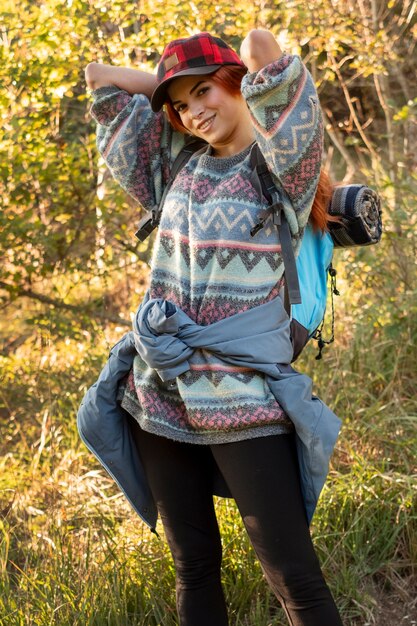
[206, 123]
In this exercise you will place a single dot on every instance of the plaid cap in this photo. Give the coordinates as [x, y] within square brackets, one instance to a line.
[198, 54]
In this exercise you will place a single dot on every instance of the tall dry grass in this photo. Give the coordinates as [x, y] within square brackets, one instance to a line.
[73, 552]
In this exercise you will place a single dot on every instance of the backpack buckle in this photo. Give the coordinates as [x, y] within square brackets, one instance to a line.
[276, 207]
[148, 224]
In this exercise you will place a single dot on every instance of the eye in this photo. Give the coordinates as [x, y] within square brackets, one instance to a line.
[202, 90]
[180, 108]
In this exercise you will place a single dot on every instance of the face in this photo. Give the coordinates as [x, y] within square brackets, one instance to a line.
[208, 111]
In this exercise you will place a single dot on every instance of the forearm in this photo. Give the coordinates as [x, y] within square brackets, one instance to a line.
[133, 81]
[258, 49]
[285, 109]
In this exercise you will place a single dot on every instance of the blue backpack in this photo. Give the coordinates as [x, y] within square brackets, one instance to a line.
[358, 210]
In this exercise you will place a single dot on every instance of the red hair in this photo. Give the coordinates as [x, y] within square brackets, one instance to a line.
[319, 216]
[230, 77]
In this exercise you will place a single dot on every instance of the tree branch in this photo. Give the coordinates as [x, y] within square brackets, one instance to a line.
[21, 292]
[348, 99]
[337, 140]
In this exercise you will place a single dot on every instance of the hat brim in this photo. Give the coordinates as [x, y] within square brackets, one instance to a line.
[159, 96]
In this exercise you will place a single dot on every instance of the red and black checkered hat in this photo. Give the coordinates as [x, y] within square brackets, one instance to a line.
[199, 54]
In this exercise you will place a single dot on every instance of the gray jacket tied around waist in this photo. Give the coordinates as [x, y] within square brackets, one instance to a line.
[165, 337]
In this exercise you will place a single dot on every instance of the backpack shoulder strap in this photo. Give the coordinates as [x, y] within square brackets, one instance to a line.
[194, 146]
[262, 179]
[151, 220]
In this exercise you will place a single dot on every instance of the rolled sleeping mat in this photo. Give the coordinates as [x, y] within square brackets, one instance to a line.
[359, 208]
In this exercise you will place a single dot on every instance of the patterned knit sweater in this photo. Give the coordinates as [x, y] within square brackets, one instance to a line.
[205, 260]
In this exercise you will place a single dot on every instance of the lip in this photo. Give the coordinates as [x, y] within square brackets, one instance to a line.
[208, 119]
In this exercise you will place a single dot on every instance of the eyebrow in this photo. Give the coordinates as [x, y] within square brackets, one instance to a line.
[193, 89]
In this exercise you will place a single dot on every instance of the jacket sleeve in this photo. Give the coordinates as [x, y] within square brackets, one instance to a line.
[288, 125]
[137, 145]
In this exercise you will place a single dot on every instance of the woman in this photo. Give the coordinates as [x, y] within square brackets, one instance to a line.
[218, 419]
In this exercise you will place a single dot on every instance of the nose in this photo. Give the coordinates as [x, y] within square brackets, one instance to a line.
[196, 113]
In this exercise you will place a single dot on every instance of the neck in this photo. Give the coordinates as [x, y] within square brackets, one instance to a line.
[242, 136]
[234, 147]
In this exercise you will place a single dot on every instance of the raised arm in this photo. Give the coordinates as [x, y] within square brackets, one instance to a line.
[137, 145]
[130, 80]
[286, 116]
[258, 49]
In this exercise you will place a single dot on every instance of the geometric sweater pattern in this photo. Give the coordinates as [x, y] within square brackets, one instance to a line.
[204, 258]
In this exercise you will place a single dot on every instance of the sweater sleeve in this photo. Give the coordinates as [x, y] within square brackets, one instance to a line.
[137, 145]
[288, 125]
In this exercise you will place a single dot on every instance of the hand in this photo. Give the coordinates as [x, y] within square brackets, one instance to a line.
[258, 49]
[133, 81]
[92, 73]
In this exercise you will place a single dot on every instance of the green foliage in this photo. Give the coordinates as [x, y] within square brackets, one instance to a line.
[71, 550]
[62, 217]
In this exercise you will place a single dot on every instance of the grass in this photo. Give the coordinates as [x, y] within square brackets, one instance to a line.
[72, 552]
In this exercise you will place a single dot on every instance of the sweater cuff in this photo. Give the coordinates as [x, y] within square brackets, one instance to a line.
[108, 102]
[268, 77]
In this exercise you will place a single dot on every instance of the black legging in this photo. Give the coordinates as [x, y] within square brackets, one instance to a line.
[262, 475]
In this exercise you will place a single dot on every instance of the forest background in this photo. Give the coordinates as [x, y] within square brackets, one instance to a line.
[71, 272]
